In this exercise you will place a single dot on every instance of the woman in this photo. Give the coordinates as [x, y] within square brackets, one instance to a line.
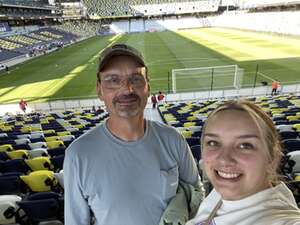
[241, 153]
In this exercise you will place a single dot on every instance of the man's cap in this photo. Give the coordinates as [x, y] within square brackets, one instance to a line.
[119, 50]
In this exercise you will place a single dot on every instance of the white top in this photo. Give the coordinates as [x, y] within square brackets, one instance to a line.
[274, 206]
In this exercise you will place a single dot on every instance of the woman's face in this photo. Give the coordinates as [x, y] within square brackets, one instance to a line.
[234, 157]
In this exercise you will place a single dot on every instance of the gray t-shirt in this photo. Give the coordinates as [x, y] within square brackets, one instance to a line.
[128, 183]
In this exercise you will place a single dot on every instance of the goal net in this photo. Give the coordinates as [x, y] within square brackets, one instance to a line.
[207, 78]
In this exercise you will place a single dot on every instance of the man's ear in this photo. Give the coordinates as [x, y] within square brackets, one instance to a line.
[99, 90]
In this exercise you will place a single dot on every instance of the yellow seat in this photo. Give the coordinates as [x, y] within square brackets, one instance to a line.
[26, 129]
[55, 144]
[18, 154]
[6, 148]
[297, 178]
[189, 124]
[51, 138]
[36, 129]
[297, 126]
[63, 133]
[6, 128]
[39, 163]
[292, 118]
[40, 181]
[79, 126]
[44, 121]
[49, 132]
[186, 133]
[192, 118]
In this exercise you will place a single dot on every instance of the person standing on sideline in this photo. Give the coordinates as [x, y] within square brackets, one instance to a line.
[154, 101]
[23, 105]
[160, 97]
[275, 85]
[126, 170]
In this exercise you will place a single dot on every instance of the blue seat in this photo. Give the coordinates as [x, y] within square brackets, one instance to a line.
[196, 151]
[41, 210]
[193, 141]
[288, 135]
[11, 184]
[58, 162]
[15, 165]
[290, 145]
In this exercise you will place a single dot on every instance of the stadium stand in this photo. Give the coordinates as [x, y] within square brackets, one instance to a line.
[32, 146]
[42, 3]
[31, 160]
[81, 28]
[34, 42]
[144, 7]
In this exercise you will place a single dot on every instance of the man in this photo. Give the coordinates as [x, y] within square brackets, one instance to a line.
[160, 97]
[154, 101]
[275, 85]
[23, 105]
[126, 170]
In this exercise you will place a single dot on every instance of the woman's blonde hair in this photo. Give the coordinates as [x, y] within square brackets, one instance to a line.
[267, 132]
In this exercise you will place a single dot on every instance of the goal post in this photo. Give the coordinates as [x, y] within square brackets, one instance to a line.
[207, 78]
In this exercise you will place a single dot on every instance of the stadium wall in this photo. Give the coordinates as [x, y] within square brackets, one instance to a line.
[63, 105]
[150, 25]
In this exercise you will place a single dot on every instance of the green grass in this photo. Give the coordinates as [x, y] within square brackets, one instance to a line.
[70, 73]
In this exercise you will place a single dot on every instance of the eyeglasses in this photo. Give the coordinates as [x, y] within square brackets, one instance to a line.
[116, 81]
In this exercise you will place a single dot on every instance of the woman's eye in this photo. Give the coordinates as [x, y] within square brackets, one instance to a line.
[246, 146]
[211, 143]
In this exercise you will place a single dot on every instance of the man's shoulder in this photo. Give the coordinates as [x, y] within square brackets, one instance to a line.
[163, 128]
[87, 139]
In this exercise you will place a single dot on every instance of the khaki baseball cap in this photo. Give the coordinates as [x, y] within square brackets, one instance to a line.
[118, 50]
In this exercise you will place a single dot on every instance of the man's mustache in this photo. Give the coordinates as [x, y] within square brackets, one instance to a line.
[121, 98]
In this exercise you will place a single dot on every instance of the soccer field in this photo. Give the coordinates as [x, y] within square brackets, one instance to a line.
[70, 73]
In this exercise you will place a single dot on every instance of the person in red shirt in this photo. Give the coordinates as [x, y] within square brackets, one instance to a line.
[23, 105]
[160, 97]
[154, 101]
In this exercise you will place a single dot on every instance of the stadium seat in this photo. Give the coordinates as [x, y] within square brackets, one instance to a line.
[18, 154]
[196, 151]
[56, 152]
[58, 162]
[38, 145]
[193, 141]
[39, 163]
[60, 178]
[288, 135]
[24, 136]
[295, 156]
[55, 144]
[37, 135]
[11, 184]
[6, 148]
[282, 128]
[22, 141]
[37, 152]
[40, 181]
[290, 145]
[36, 211]
[8, 208]
[15, 165]
[63, 133]
[3, 156]
[51, 138]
